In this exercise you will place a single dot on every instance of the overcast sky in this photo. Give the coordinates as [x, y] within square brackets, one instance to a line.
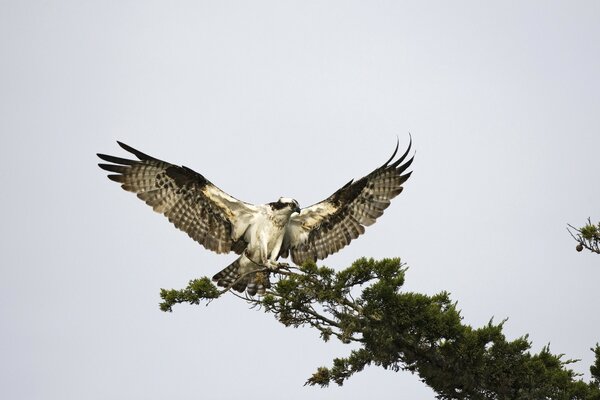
[280, 98]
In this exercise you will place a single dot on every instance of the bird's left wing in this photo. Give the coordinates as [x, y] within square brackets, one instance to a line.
[326, 227]
[191, 202]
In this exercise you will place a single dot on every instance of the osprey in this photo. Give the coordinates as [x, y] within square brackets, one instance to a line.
[260, 234]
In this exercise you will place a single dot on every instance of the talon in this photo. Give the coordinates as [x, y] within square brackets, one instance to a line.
[272, 265]
[283, 265]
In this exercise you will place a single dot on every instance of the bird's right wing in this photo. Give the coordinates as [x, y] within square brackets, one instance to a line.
[191, 202]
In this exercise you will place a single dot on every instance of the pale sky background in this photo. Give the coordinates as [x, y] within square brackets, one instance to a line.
[280, 98]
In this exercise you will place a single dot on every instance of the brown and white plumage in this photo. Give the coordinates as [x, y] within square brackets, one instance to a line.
[191, 202]
[260, 234]
[326, 227]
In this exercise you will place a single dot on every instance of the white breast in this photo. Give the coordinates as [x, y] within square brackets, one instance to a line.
[265, 235]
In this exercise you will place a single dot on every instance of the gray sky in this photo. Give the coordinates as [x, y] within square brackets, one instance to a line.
[287, 98]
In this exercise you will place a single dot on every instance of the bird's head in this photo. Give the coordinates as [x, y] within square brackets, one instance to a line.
[285, 203]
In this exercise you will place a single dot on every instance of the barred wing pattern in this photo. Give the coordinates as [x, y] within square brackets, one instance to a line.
[328, 226]
[191, 202]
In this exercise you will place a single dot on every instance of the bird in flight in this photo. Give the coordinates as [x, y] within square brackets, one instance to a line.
[259, 234]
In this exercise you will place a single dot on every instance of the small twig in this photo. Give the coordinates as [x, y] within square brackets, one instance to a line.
[592, 244]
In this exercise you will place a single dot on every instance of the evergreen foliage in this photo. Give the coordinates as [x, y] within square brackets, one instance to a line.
[587, 237]
[409, 331]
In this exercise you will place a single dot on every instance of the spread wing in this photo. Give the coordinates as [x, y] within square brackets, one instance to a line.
[326, 227]
[191, 202]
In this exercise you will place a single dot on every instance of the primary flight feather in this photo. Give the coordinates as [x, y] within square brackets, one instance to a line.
[260, 234]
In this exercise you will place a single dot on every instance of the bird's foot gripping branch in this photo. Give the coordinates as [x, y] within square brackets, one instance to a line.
[406, 331]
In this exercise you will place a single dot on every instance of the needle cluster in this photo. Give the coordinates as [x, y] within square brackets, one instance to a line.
[398, 330]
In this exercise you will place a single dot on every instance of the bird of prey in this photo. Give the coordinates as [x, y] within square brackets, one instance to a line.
[259, 234]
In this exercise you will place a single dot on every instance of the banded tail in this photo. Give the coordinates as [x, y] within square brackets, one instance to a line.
[242, 275]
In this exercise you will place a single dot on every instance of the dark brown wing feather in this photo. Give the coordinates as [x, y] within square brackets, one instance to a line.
[328, 226]
[190, 201]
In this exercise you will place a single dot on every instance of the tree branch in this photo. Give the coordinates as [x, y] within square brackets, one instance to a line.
[587, 237]
[406, 331]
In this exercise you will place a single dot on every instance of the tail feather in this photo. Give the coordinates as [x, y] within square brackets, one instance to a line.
[240, 276]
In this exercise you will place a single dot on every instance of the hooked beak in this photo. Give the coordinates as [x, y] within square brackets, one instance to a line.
[297, 209]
